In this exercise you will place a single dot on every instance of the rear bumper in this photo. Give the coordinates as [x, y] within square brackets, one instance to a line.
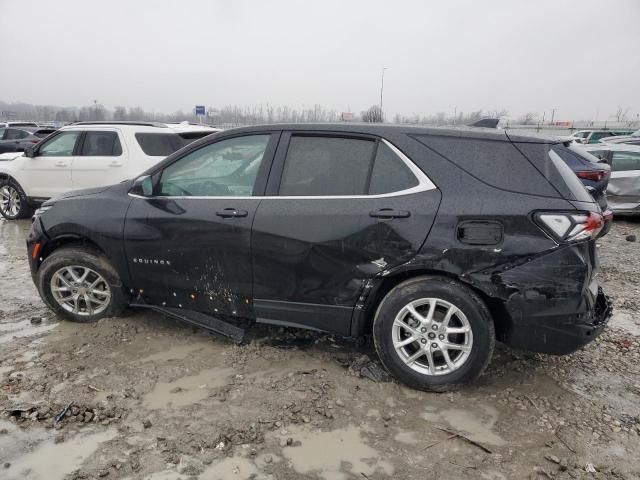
[563, 334]
[551, 304]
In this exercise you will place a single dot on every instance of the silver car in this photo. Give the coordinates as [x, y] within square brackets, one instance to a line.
[623, 192]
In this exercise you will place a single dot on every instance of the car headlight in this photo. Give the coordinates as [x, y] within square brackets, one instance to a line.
[40, 211]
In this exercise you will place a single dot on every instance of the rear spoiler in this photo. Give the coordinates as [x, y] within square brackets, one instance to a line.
[485, 123]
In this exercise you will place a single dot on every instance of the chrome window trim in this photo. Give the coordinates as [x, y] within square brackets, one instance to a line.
[424, 185]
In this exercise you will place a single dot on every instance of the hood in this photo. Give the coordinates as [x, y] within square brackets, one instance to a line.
[84, 192]
[9, 156]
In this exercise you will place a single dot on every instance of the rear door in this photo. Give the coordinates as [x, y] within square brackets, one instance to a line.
[101, 159]
[49, 172]
[339, 210]
[624, 185]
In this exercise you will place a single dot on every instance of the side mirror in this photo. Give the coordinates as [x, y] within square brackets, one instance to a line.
[142, 186]
[30, 151]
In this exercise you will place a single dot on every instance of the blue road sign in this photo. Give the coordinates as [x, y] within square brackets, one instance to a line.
[200, 110]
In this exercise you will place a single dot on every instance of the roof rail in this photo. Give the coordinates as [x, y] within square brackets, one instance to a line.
[122, 122]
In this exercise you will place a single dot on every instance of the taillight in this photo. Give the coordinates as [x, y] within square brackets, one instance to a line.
[570, 227]
[594, 175]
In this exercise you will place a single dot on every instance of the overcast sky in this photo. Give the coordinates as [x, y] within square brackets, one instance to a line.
[581, 57]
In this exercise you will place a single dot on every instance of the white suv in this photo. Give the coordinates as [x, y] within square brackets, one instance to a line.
[84, 155]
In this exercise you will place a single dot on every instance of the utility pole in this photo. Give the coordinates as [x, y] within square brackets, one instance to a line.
[553, 114]
[381, 90]
[95, 108]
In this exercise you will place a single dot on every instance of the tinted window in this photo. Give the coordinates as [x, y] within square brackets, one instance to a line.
[43, 133]
[318, 166]
[390, 173]
[496, 163]
[106, 144]
[59, 146]
[159, 144]
[623, 161]
[225, 168]
[3, 131]
[15, 134]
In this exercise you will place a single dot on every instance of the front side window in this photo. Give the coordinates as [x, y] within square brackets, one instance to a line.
[101, 144]
[3, 132]
[624, 161]
[61, 145]
[321, 166]
[222, 169]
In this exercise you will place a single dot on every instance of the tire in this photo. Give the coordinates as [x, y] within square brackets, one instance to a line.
[468, 348]
[13, 201]
[99, 293]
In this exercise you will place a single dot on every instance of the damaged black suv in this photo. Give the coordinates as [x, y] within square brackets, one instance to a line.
[437, 242]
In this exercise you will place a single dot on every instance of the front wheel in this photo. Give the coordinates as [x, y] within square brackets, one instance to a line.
[81, 285]
[433, 333]
[13, 201]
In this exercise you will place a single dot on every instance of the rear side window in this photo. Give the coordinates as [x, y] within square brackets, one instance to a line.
[159, 144]
[390, 174]
[15, 134]
[43, 133]
[625, 161]
[321, 166]
[101, 144]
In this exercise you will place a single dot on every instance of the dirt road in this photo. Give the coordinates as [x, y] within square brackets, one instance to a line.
[149, 398]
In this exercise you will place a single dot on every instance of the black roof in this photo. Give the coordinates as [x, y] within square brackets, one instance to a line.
[384, 128]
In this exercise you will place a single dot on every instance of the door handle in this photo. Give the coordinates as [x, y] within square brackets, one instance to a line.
[115, 163]
[231, 212]
[389, 213]
[61, 163]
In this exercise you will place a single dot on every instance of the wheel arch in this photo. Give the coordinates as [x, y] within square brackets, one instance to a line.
[68, 240]
[362, 322]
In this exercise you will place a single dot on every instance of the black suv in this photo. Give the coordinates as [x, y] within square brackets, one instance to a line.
[435, 241]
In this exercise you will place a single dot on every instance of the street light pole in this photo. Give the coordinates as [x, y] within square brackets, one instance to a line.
[381, 90]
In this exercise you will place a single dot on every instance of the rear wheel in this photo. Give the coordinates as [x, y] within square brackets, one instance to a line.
[433, 333]
[81, 285]
[13, 201]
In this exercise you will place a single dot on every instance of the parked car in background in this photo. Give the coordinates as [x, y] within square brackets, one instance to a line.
[16, 139]
[632, 139]
[438, 242]
[592, 172]
[594, 136]
[623, 192]
[84, 155]
[18, 123]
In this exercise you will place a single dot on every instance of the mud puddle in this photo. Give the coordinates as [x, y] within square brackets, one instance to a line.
[627, 320]
[186, 390]
[47, 460]
[477, 424]
[334, 455]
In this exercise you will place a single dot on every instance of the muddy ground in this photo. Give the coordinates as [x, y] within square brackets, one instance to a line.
[150, 398]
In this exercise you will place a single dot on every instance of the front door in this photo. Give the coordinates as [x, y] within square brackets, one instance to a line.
[345, 208]
[101, 160]
[189, 245]
[49, 172]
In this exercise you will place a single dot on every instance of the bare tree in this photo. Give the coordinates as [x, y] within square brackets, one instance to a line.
[373, 115]
[119, 113]
[528, 118]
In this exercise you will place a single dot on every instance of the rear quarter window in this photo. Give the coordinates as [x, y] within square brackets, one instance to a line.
[496, 163]
[159, 144]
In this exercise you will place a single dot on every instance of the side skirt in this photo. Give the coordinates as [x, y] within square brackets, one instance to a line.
[207, 322]
[324, 318]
